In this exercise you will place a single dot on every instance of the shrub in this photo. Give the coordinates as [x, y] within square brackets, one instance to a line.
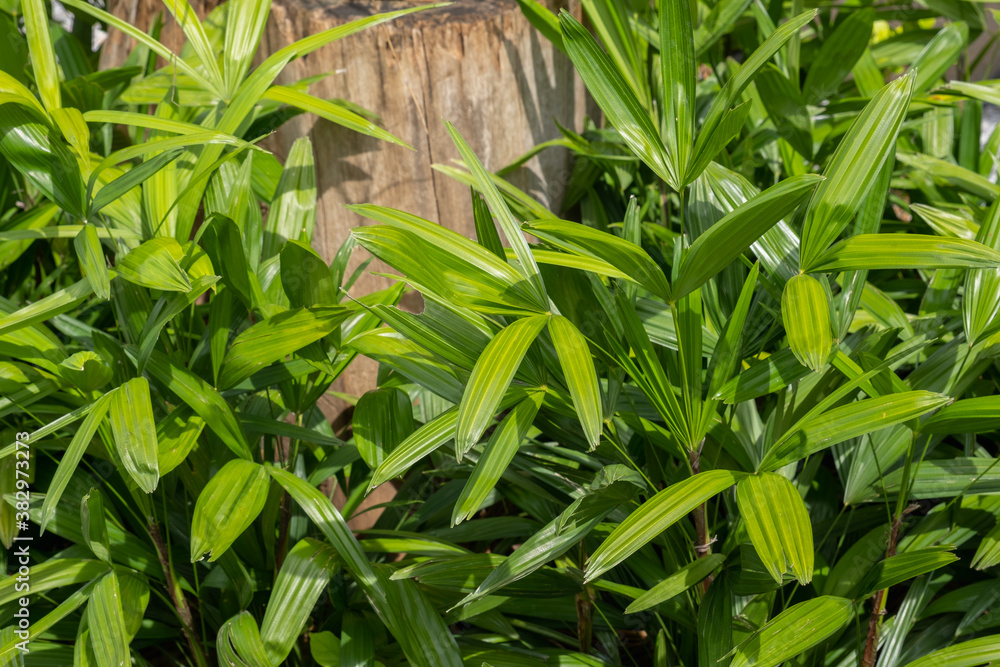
[740, 412]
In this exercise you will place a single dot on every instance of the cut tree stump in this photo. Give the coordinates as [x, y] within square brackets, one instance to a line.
[476, 63]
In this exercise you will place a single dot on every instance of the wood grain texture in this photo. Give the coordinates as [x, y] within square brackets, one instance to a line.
[476, 63]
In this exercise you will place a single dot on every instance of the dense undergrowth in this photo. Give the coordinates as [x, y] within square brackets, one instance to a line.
[735, 404]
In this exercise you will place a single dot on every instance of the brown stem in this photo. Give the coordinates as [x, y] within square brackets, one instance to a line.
[177, 595]
[702, 543]
[284, 519]
[878, 602]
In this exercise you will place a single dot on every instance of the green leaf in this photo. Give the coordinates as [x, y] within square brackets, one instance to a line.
[979, 651]
[948, 172]
[357, 645]
[581, 377]
[383, 418]
[88, 251]
[426, 642]
[677, 583]
[837, 55]
[293, 209]
[852, 169]
[166, 309]
[324, 647]
[43, 56]
[730, 237]
[132, 422]
[988, 553]
[94, 526]
[656, 515]
[421, 442]
[38, 152]
[848, 421]
[305, 277]
[617, 99]
[612, 487]
[85, 370]
[939, 55]
[778, 525]
[543, 20]
[226, 507]
[334, 113]
[107, 623]
[767, 376]
[303, 577]
[970, 415]
[111, 192]
[731, 91]
[46, 308]
[497, 455]
[981, 301]
[490, 378]
[905, 251]
[585, 241]
[946, 478]
[805, 312]
[203, 399]
[511, 229]
[155, 264]
[71, 459]
[727, 353]
[275, 338]
[783, 637]
[329, 521]
[238, 643]
[245, 22]
[903, 567]
[787, 109]
[677, 69]
[475, 279]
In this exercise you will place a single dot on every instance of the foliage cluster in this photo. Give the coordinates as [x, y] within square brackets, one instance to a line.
[736, 407]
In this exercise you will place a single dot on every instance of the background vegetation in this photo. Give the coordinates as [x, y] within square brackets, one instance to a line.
[735, 405]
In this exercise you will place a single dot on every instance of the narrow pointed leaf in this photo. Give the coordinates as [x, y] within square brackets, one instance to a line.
[581, 377]
[88, 251]
[852, 169]
[497, 455]
[785, 636]
[656, 515]
[805, 312]
[132, 422]
[275, 338]
[71, 458]
[730, 237]
[303, 577]
[490, 378]
[849, 421]
[677, 583]
[511, 228]
[228, 504]
[905, 251]
[203, 399]
[617, 99]
[107, 623]
[628, 258]
[903, 567]
[778, 524]
[154, 264]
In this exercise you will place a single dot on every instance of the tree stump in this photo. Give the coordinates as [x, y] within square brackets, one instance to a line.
[476, 63]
